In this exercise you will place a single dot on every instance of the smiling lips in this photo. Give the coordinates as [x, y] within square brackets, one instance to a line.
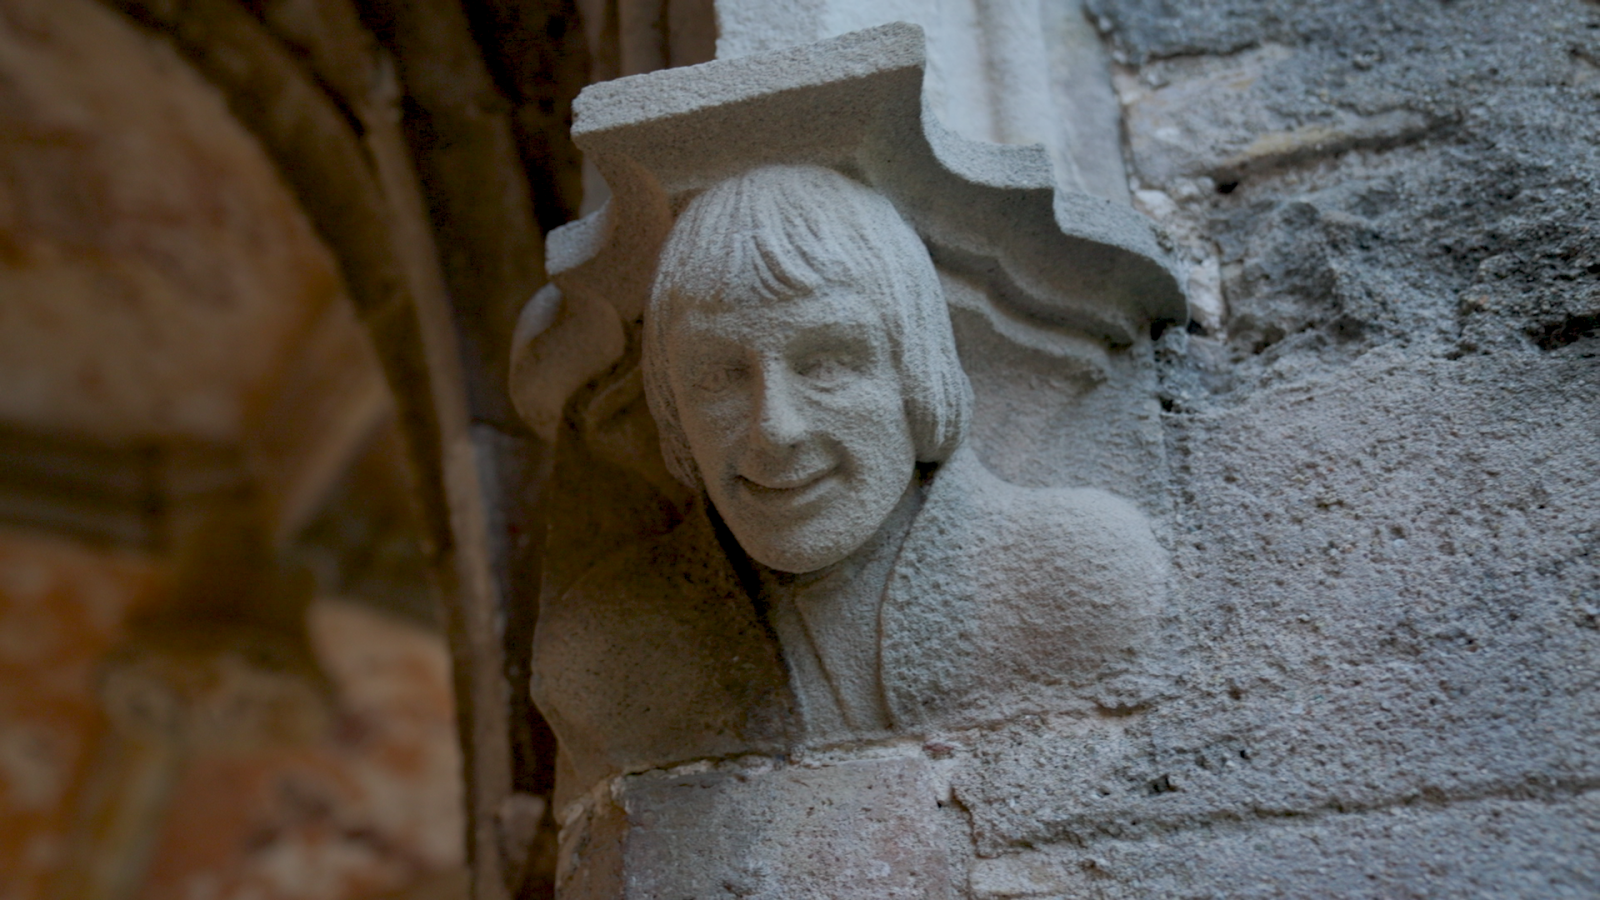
[788, 490]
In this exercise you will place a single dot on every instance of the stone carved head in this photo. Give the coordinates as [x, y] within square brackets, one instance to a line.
[799, 361]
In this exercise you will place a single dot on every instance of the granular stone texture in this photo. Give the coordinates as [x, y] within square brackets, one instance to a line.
[1426, 171]
[1371, 454]
[1383, 439]
[858, 829]
[1490, 848]
[1384, 611]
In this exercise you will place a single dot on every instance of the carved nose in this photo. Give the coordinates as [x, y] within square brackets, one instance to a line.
[780, 421]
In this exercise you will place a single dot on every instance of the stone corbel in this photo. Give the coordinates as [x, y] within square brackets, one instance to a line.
[1046, 260]
[700, 754]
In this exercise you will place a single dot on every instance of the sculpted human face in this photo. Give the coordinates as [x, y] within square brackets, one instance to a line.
[794, 415]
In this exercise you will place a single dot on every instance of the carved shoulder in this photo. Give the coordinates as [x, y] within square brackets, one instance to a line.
[1008, 598]
[1079, 546]
[656, 656]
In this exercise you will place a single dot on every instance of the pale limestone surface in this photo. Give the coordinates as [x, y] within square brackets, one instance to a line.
[1002, 71]
[988, 73]
[838, 568]
[1000, 601]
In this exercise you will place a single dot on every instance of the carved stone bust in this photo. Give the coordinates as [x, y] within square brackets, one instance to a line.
[759, 342]
[799, 362]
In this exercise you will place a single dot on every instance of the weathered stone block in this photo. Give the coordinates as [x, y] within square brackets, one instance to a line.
[845, 831]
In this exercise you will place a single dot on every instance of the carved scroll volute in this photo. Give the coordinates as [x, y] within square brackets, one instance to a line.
[577, 328]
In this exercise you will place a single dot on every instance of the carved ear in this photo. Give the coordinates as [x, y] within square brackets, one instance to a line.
[561, 344]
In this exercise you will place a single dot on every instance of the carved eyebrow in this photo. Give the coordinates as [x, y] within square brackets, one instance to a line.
[830, 336]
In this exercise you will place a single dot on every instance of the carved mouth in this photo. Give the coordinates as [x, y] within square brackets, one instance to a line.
[789, 490]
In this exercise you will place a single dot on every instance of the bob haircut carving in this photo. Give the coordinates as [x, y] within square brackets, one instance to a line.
[776, 233]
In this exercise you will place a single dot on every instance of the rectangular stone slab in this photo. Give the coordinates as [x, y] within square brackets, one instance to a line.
[859, 830]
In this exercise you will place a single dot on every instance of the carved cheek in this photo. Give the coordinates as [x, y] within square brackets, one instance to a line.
[869, 403]
[717, 427]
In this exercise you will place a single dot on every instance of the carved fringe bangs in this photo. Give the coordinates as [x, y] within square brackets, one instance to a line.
[769, 235]
[755, 239]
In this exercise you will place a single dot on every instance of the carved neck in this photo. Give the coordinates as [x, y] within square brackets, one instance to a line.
[828, 625]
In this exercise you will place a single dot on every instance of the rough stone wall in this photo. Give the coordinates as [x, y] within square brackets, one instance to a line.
[1383, 433]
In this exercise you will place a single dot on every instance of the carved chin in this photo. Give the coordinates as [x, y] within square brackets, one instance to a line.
[811, 527]
[799, 540]
[802, 546]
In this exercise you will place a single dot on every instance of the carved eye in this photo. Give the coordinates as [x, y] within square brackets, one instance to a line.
[718, 378]
[828, 369]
